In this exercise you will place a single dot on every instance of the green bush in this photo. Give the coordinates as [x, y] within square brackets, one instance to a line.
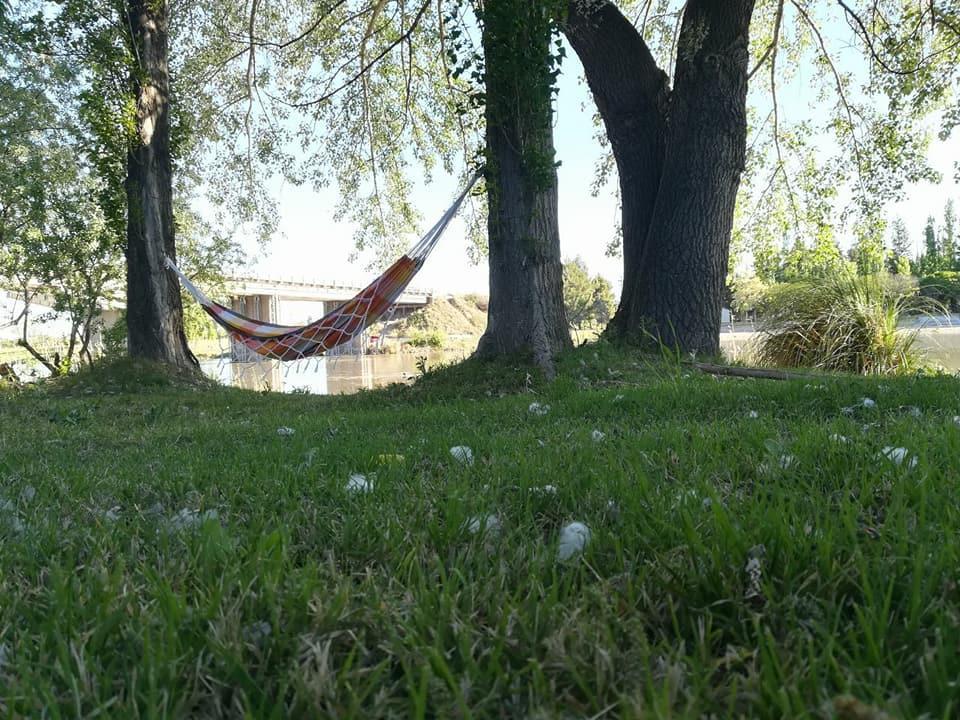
[848, 323]
[433, 339]
[942, 287]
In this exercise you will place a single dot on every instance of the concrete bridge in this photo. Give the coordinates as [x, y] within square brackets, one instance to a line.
[295, 302]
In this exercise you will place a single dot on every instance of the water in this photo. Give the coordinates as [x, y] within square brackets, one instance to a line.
[324, 376]
[348, 374]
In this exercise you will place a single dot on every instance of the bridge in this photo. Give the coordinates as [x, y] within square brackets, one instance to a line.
[293, 302]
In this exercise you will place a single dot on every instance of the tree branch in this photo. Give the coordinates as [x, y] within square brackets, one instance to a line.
[773, 43]
[365, 68]
[839, 82]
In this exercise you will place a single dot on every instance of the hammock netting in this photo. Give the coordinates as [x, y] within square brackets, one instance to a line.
[344, 323]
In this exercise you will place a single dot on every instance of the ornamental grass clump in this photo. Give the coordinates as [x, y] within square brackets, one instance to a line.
[847, 323]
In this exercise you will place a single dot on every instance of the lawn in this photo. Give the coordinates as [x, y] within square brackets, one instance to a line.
[166, 552]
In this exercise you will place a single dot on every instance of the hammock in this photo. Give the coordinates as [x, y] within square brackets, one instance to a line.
[287, 342]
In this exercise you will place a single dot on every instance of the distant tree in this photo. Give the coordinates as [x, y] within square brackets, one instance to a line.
[949, 236]
[767, 254]
[931, 260]
[588, 300]
[749, 294]
[868, 251]
[821, 260]
[57, 248]
[899, 260]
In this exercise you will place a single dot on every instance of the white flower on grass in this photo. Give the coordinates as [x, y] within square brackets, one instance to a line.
[897, 455]
[488, 525]
[573, 539]
[618, 398]
[597, 436]
[868, 403]
[840, 439]
[753, 414]
[359, 484]
[285, 431]
[538, 409]
[10, 516]
[544, 490]
[257, 632]
[462, 454]
[912, 410]
[187, 518]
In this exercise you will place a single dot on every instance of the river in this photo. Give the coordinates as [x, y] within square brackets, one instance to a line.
[325, 376]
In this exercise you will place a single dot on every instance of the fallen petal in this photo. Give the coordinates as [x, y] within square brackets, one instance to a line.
[573, 539]
[462, 454]
[359, 484]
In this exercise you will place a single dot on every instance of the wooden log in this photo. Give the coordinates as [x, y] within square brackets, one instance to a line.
[748, 372]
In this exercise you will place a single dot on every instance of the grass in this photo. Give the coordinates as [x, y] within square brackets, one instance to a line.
[166, 553]
[846, 323]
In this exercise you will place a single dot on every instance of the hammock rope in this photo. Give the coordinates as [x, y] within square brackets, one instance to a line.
[343, 323]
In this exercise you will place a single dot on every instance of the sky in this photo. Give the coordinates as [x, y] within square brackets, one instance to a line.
[311, 245]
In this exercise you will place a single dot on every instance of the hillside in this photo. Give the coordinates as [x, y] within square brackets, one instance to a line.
[457, 315]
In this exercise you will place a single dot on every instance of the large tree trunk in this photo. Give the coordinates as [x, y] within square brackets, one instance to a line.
[678, 217]
[154, 309]
[526, 313]
[632, 95]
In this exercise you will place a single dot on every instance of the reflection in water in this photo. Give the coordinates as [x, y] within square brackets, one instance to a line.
[322, 375]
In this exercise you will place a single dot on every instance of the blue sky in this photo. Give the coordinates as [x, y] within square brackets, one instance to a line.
[310, 244]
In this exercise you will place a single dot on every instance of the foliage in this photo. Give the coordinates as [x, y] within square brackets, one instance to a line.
[428, 338]
[846, 323]
[57, 245]
[749, 295]
[588, 300]
[821, 260]
[931, 260]
[898, 261]
[943, 287]
[868, 251]
[948, 243]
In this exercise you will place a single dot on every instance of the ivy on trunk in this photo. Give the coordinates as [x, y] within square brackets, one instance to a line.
[526, 311]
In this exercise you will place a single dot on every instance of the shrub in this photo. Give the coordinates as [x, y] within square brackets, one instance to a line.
[433, 339]
[848, 323]
[943, 287]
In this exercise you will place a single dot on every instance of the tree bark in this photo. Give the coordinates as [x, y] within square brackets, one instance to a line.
[632, 95]
[526, 312]
[154, 308]
[677, 217]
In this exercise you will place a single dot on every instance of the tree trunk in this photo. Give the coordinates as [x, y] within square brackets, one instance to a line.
[154, 309]
[526, 313]
[677, 294]
[677, 221]
[632, 95]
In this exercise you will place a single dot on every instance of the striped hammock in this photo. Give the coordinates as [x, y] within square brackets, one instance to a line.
[347, 321]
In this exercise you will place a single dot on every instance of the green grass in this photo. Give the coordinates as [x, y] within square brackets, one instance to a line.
[298, 599]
